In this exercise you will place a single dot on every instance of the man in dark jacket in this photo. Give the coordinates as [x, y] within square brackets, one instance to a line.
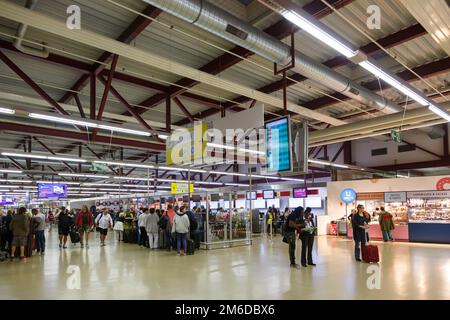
[307, 237]
[293, 224]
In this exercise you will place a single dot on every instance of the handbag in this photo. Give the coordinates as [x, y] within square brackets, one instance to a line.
[285, 240]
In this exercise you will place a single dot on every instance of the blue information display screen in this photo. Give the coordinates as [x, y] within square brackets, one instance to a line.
[278, 145]
[52, 190]
[4, 201]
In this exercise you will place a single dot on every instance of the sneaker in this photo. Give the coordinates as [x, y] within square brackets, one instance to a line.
[65, 247]
[358, 259]
[312, 264]
[304, 265]
[82, 246]
[295, 266]
[60, 245]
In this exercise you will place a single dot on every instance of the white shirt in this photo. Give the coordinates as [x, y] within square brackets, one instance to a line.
[104, 221]
[141, 220]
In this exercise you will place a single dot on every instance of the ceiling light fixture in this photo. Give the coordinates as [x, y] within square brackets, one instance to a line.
[439, 111]
[228, 173]
[372, 68]
[83, 175]
[10, 171]
[7, 111]
[317, 32]
[43, 157]
[126, 164]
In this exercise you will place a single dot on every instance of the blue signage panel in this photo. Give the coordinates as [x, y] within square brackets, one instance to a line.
[52, 190]
[348, 195]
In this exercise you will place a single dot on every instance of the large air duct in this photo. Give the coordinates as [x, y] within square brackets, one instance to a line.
[20, 34]
[221, 23]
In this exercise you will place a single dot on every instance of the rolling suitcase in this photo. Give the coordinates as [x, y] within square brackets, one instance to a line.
[371, 254]
[190, 247]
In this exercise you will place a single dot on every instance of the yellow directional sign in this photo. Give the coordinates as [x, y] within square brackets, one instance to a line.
[179, 188]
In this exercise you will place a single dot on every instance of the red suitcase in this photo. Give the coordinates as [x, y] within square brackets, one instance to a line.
[371, 254]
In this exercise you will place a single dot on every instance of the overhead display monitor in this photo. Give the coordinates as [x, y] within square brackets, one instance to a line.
[52, 190]
[251, 195]
[300, 192]
[278, 150]
[240, 204]
[313, 202]
[214, 205]
[215, 197]
[185, 199]
[196, 198]
[268, 194]
[6, 201]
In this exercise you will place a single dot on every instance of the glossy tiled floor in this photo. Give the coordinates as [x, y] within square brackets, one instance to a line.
[261, 271]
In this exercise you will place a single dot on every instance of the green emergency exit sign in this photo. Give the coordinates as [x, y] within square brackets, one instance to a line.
[99, 167]
[395, 136]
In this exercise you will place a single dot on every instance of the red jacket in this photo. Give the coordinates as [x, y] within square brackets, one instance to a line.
[79, 220]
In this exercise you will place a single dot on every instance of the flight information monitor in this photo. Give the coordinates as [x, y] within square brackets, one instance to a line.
[278, 151]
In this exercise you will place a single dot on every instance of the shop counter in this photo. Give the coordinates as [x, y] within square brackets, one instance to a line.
[400, 233]
[429, 232]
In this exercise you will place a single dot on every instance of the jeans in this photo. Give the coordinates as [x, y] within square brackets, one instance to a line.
[387, 235]
[307, 244]
[359, 251]
[142, 236]
[181, 237]
[40, 241]
[291, 240]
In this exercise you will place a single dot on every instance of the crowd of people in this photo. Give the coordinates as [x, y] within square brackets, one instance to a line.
[175, 228]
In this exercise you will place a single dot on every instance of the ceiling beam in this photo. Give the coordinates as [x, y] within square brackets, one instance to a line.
[128, 35]
[183, 109]
[414, 165]
[31, 130]
[387, 42]
[279, 30]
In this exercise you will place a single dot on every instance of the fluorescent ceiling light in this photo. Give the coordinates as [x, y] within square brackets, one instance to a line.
[229, 173]
[442, 113]
[339, 165]
[16, 181]
[209, 183]
[182, 169]
[220, 146]
[83, 175]
[101, 184]
[319, 162]
[237, 184]
[134, 178]
[252, 151]
[21, 155]
[126, 164]
[35, 156]
[10, 187]
[265, 177]
[62, 120]
[10, 171]
[318, 33]
[64, 182]
[7, 111]
[393, 82]
[124, 130]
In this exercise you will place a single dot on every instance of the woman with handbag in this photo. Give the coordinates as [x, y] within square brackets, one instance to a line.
[103, 222]
[307, 238]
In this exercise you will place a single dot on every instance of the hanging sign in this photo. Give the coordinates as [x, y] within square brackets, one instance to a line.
[394, 197]
[348, 195]
[179, 188]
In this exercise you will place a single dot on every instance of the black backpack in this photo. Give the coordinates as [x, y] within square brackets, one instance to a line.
[163, 222]
[193, 225]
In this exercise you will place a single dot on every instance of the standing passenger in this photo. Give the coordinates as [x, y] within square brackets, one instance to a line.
[39, 221]
[85, 222]
[386, 224]
[181, 228]
[151, 227]
[20, 226]
[359, 226]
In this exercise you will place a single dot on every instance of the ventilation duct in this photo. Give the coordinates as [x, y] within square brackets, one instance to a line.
[221, 23]
[20, 34]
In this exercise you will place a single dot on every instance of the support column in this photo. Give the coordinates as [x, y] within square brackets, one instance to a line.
[348, 152]
[445, 142]
[168, 113]
[92, 96]
[80, 155]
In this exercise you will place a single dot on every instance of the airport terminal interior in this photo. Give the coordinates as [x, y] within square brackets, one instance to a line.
[224, 149]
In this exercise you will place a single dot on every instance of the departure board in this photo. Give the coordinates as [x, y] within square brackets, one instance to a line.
[278, 150]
